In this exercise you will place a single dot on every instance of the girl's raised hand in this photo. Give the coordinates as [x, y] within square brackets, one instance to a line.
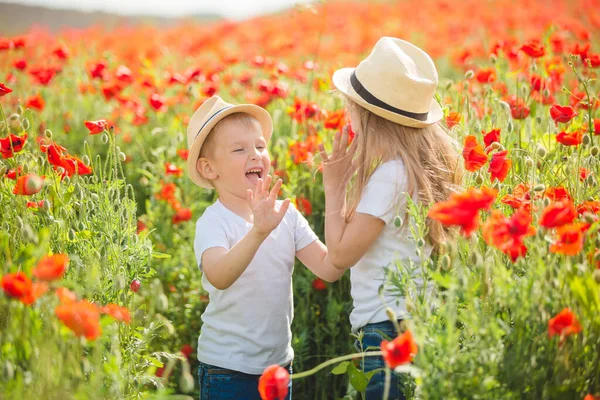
[339, 167]
[262, 203]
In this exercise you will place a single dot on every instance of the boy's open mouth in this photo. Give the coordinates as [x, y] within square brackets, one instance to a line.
[253, 174]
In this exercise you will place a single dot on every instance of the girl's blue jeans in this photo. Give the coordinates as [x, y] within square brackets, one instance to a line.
[373, 335]
[218, 383]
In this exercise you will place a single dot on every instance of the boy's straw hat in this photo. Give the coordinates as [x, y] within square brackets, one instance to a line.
[206, 117]
[397, 81]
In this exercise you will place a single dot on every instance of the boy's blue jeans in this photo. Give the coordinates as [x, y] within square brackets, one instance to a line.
[218, 383]
[373, 335]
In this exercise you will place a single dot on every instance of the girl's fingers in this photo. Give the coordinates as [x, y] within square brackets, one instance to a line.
[324, 156]
[353, 146]
[336, 144]
[275, 190]
[249, 196]
[344, 142]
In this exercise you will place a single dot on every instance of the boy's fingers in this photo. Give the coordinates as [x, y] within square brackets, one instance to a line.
[267, 185]
[284, 207]
[275, 189]
[323, 153]
[259, 189]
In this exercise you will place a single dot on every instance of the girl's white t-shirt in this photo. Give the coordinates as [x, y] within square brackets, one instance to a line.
[384, 197]
[246, 327]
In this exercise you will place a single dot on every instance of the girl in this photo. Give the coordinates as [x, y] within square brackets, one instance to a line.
[399, 150]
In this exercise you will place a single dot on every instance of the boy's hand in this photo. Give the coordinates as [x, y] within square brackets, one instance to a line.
[262, 203]
[339, 167]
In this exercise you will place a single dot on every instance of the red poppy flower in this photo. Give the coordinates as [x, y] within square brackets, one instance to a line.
[562, 113]
[273, 383]
[473, 154]
[519, 198]
[182, 215]
[589, 206]
[12, 173]
[33, 204]
[36, 102]
[123, 74]
[43, 75]
[583, 173]
[399, 351]
[20, 64]
[11, 145]
[491, 137]
[557, 193]
[61, 52]
[4, 90]
[507, 234]
[335, 120]
[518, 108]
[82, 317]
[570, 138]
[564, 323]
[533, 49]
[172, 169]
[499, 166]
[37, 290]
[65, 296]
[462, 208]
[318, 284]
[96, 127]
[558, 214]
[186, 350]
[157, 102]
[183, 153]
[486, 75]
[453, 118]
[28, 184]
[16, 284]
[570, 239]
[303, 205]
[117, 312]
[52, 267]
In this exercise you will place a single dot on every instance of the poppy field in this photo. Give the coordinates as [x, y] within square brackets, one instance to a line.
[100, 293]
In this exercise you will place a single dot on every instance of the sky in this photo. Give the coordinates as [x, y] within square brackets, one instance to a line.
[233, 9]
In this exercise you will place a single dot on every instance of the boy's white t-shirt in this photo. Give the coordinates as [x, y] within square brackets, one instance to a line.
[384, 197]
[246, 327]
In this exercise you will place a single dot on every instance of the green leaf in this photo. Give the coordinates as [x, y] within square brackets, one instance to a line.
[340, 368]
[358, 379]
[156, 254]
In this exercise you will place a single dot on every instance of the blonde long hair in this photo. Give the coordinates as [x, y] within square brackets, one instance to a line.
[429, 155]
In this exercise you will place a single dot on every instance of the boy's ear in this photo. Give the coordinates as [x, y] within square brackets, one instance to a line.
[205, 167]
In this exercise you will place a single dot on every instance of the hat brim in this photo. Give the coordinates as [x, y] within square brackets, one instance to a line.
[263, 117]
[341, 80]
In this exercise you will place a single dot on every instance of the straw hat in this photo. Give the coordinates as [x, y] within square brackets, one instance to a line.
[205, 118]
[397, 81]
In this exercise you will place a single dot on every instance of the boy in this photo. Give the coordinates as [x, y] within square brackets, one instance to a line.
[245, 245]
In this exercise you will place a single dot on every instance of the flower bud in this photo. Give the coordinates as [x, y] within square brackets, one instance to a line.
[86, 160]
[420, 242]
[596, 276]
[529, 162]
[122, 156]
[505, 105]
[20, 109]
[539, 187]
[25, 123]
[46, 205]
[588, 217]
[496, 185]
[104, 138]
[546, 92]
[71, 235]
[478, 179]
[469, 74]
[493, 58]
[445, 262]
[541, 152]
[397, 221]
[94, 197]
[510, 126]
[524, 90]
[48, 133]
[586, 139]
[391, 314]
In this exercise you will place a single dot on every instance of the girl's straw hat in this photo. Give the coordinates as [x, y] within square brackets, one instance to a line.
[205, 118]
[397, 81]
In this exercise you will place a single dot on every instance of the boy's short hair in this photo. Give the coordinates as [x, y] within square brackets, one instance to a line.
[243, 118]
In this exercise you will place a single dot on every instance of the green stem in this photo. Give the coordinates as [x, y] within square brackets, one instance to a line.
[335, 361]
[387, 384]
